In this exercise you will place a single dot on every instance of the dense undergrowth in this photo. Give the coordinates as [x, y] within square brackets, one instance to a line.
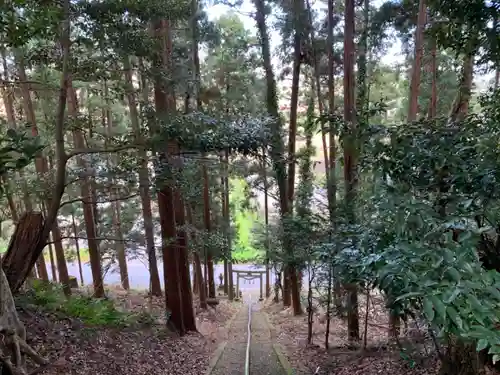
[49, 297]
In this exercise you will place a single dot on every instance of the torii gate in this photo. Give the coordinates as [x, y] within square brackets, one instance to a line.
[249, 275]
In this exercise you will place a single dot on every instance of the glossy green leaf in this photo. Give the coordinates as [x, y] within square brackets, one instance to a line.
[454, 274]
[482, 344]
[454, 316]
[494, 292]
[439, 307]
[428, 309]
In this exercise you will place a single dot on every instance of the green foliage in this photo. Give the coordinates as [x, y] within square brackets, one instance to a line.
[91, 311]
[430, 216]
[17, 150]
[245, 220]
[71, 256]
[198, 132]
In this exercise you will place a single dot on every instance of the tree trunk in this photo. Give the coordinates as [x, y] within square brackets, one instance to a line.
[10, 200]
[350, 150]
[120, 247]
[198, 274]
[394, 325]
[294, 101]
[318, 81]
[332, 166]
[170, 258]
[165, 104]
[362, 85]
[40, 161]
[227, 226]
[266, 221]
[116, 207]
[461, 358]
[433, 69]
[277, 146]
[208, 228]
[62, 267]
[184, 281]
[461, 105]
[88, 209]
[77, 248]
[52, 263]
[20, 258]
[195, 52]
[417, 63]
[196, 282]
[290, 270]
[199, 278]
[144, 184]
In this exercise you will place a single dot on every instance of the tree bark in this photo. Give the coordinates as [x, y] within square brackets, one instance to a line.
[433, 69]
[120, 247]
[318, 81]
[52, 263]
[226, 254]
[165, 105]
[266, 222]
[41, 167]
[77, 248]
[144, 183]
[350, 150]
[460, 107]
[184, 281]
[208, 228]
[20, 258]
[277, 146]
[10, 200]
[227, 226]
[417, 63]
[88, 209]
[117, 226]
[170, 258]
[198, 274]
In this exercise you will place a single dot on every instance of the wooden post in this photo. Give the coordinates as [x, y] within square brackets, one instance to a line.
[230, 281]
[237, 286]
[260, 277]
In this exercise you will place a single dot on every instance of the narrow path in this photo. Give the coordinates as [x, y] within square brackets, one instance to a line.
[263, 358]
[232, 360]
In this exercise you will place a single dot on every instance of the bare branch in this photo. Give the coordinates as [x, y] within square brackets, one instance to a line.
[90, 238]
[71, 201]
[76, 152]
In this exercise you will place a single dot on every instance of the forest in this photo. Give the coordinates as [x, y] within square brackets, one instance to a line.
[250, 187]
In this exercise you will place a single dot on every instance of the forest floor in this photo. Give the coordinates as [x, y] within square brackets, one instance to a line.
[414, 357]
[138, 349]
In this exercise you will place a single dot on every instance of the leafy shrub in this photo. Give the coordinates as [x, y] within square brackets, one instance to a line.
[91, 311]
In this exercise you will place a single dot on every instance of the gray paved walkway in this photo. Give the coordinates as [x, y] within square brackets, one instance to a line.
[263, 359]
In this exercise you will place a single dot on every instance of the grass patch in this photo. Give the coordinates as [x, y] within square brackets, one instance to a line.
[91, 311]
[70, 255]
[247, 255]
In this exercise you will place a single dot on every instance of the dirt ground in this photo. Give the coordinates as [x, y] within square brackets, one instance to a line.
[149, 350]
[379, 357]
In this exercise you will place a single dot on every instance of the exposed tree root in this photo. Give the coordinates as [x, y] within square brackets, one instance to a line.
[13, 345]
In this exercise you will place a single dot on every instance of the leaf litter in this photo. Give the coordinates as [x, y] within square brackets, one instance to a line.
[380, 356]
[147, 349]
